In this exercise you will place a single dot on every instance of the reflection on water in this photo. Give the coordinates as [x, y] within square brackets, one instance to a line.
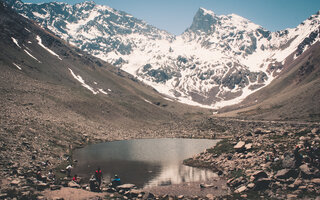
[175, 174]
[144, 162]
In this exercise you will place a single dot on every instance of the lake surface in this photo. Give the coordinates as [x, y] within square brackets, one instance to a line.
[144, 162]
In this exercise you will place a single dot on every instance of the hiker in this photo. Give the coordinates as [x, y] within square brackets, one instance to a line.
[76, 179]
[93, 184]
[68, 169]
[116, 181]
[98, 176]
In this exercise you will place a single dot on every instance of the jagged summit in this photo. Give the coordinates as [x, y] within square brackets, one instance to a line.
[204, 20]
[206, 12]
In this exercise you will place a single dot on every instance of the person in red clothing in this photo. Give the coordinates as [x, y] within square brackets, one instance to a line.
[76, 179]
[98, 176]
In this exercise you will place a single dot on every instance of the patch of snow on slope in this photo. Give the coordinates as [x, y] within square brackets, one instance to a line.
[245, 92]
[15, 41]
[17, 66]
[31, 55]
[167, 99]
[40, 15]
[148, 101]
[74, 27]
[162, 88]
[103, 92]
[80, 79]
[49, 50]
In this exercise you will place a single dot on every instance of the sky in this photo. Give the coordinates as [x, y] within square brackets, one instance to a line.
[175, 16]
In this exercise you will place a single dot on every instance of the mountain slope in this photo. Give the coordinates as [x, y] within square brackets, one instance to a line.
[294, 95]
[54, 96]
[216, 62]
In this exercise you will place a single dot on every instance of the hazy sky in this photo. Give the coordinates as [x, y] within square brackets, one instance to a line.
[175, 16]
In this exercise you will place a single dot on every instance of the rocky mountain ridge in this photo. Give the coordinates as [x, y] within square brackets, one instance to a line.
[218, 61]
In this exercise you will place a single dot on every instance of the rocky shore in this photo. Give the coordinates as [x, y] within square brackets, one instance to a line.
[256, 159]
[278, 161]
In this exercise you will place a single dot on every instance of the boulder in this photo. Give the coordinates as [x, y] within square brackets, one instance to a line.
[41, 186]
[126, 187]
[302, 187]
[135, 192]
[297, 182]
[262, 184]
[55, 187]
[244, 196]
[15, 182]
[315, 181]
[292, 186]
[26, 188]
[3, 195]
[315, 131]
[302, 138]
[236, 182]
[239, 146]
[210, 196]
[292, 196]
[286, 173]
[110, 190]
[25, 194]
[241, 189]
[73, 184]
[259, 174]
[288, 161]
[166, 196]
[250, 185]
[40, 197]
[306, 171]
[248, 146]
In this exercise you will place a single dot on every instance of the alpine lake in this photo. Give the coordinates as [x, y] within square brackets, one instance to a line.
[144, 162]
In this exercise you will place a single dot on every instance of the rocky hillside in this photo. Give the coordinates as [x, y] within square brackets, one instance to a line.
[55, 97]
[294, 95]
[279, 161]
[217, 61]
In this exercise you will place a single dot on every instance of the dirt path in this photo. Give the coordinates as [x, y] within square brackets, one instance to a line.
[71, 194]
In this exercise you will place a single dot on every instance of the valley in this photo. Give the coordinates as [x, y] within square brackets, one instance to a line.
[60, 91]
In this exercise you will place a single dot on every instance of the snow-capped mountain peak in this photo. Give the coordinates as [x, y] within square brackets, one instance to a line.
[203, 21]
[217, 61]
[206, 12]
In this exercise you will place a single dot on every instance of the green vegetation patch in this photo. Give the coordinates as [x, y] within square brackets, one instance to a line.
[237, 173]
[224, 146]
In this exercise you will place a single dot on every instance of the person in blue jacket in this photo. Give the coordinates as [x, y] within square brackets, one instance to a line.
[115, 181]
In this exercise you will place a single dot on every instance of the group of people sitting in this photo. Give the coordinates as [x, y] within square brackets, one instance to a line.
[95, 181]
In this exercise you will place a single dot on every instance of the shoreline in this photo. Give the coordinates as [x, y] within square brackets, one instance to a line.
[19, 176]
